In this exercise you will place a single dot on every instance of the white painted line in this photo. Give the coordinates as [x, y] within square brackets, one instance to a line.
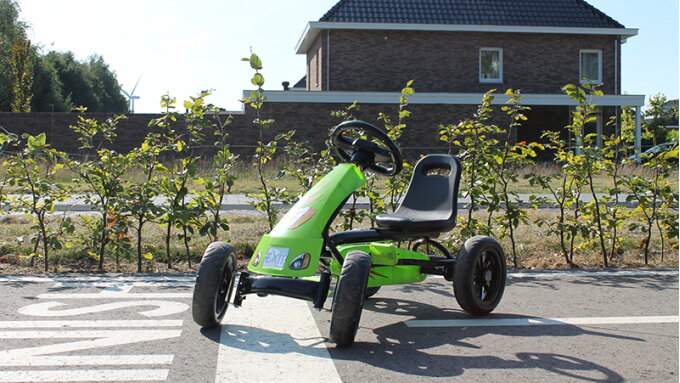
[46, 309]
[66, 324]
[90, 340]
[118, 288]
[98, 278]
[617, 273]
[84, 375]
[492, 322]
[574, 274]
[273, 339]
[85, 360]
[115, 295]
[133, 284]
[56, 334]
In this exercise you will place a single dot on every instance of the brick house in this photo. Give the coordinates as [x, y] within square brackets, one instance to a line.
[455, 50]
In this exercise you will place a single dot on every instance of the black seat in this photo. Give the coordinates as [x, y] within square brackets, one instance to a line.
[431, 201]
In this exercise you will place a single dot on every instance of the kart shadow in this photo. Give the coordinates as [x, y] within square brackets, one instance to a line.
[406, 350]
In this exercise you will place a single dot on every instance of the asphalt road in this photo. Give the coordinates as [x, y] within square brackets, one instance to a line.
[557, 327]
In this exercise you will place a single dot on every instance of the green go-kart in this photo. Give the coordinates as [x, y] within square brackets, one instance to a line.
[300, 256]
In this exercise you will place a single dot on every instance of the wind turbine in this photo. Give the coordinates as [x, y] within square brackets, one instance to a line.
[131, 96]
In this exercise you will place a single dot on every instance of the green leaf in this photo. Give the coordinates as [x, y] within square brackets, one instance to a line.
[257, 80]
[255, 62]
[37, 142]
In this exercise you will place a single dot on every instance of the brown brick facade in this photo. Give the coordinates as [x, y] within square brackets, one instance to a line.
[311, 121]
[369, 60]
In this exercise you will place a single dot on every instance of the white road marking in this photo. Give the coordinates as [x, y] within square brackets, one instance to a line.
[45, 309]
[133, 284]
[273, 339]
[574, 274]
[66, 324]
[493, 322]
[97, 278]
[615, 273]
[84, 375]
[85, 360]
[80, 335]
[115, 295]
[112, 337]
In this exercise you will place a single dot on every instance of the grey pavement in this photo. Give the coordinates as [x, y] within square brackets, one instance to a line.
[551, 326]
[240, 202]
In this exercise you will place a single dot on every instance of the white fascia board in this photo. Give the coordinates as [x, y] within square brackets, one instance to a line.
[313, 27]
[440, 98]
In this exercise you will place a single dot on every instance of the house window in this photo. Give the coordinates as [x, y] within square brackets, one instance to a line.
[591, 66]
[491, 65]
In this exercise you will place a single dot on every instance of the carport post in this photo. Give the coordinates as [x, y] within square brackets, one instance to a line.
[638, 132]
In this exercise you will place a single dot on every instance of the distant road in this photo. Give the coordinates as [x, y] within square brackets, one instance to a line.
[240, 202]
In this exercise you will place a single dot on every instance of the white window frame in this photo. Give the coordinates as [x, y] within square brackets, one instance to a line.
[599, 65]
[498, 80]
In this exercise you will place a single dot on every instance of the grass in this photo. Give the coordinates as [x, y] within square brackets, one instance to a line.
[536, 249]
[248, 182]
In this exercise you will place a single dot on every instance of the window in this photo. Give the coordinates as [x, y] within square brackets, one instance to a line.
[491, 65]
[591, 66]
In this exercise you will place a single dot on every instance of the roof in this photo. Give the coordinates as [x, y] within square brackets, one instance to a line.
[538, 13]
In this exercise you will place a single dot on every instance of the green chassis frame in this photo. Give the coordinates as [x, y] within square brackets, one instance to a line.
[285, 261]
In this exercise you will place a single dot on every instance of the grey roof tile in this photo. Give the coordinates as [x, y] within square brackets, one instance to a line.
[543, 13]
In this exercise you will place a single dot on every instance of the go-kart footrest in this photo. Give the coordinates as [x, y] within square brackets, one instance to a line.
[289, 287]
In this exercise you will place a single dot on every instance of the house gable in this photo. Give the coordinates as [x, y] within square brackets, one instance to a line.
[378, 45]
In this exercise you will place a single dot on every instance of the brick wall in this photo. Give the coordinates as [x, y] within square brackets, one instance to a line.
[364, 60]
[315, 63]
[312, 122]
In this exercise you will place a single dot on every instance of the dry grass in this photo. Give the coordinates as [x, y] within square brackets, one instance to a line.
[248, 182]
[536, 249]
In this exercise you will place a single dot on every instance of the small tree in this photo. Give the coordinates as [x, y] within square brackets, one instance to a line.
[565, 188]
[475, 139]
[102, 174]
[32, 170]
[265, 151]
[507, 161]
[590, 155]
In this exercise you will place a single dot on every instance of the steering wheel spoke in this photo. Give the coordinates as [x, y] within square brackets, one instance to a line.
[378, 151]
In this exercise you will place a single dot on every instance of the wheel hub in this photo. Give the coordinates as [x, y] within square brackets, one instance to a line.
[487, 276]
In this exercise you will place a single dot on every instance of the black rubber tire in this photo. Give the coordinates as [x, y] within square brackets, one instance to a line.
[214, 283]
[479, 278]
[371, 291]
[348, 300]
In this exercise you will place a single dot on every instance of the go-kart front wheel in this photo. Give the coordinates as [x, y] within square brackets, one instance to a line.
[479, 278]
[348, 300]
[214, 282]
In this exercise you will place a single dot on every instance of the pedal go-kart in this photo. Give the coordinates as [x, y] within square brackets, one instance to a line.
[288, 259]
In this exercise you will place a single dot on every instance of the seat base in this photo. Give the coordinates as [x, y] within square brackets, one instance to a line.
[408, 225]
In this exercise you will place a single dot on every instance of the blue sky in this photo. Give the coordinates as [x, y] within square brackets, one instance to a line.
[184, 47]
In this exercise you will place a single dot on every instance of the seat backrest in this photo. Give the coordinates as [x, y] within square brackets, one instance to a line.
[432, 194]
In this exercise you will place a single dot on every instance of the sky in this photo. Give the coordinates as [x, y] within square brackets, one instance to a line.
[181, 47]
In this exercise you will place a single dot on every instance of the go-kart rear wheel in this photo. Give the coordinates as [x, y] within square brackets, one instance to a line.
[214, 282]
[371, 291]
[348, 299]
[479, 278]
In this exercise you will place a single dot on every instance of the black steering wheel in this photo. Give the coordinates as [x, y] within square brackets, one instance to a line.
[367, 146]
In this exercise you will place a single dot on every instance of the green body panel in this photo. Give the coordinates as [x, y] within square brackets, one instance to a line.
[300, 230]
[384, 270]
